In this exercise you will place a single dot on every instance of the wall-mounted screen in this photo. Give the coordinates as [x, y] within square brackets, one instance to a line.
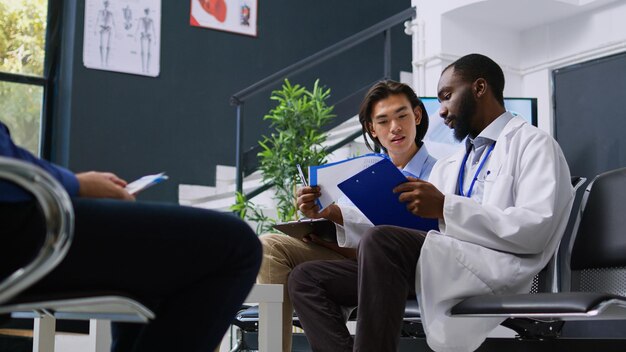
[440, 141]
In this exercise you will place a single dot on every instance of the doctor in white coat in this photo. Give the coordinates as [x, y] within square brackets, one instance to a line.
[503, 203]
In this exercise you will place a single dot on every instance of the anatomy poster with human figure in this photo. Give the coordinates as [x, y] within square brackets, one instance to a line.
[238, 16]
[123, 36]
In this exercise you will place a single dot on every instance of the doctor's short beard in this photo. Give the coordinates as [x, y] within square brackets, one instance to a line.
[462, 120]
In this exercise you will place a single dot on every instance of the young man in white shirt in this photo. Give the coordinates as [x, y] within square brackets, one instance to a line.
[396, 120]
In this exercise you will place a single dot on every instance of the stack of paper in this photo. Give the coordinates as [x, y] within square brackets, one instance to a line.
[368, 181]
[328, 176]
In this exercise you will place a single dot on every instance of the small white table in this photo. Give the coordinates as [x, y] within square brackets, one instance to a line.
[270, 300]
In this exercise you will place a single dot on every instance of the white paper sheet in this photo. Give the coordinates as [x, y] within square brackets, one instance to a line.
[328, 176]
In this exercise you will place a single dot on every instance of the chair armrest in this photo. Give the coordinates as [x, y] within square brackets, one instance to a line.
[59, 219]
[578, 181]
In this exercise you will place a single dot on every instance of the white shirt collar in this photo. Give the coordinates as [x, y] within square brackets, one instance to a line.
[493, 130]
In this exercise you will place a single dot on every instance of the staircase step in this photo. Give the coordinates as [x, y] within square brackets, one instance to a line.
[222, 201]
[221, 196]
[225, 177]
[342, 131]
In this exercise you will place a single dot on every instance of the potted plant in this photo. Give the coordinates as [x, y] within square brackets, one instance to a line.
[297, 120]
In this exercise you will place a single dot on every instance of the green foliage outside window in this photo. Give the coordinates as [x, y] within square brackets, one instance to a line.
[22, 36]
[20, 109]
[297, 121]
[22, 51]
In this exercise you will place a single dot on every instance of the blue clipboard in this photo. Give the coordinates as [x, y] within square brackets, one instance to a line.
[371, 190]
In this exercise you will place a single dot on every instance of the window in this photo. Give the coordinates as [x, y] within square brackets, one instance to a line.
[22, 81]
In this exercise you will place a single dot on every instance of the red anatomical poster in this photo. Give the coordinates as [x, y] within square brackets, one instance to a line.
[238, 16]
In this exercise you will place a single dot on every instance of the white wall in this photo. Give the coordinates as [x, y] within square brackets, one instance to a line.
[462, 36]
[527, 55]
[577, 38]
[538, 84]
[574, 40]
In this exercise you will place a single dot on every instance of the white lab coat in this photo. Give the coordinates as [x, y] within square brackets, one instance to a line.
[498, 246]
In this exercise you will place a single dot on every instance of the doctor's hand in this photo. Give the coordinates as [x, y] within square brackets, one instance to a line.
[421, 198]
[102, 185]
[307, 204]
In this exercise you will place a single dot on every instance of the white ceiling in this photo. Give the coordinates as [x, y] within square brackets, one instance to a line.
[520, 15]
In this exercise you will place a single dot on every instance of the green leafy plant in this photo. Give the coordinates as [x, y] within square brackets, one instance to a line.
[297, 121]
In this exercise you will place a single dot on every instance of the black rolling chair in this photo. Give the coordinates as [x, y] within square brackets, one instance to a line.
[596, 272]
[56, 208]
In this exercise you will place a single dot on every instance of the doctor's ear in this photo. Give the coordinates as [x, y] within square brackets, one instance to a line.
[480, 87]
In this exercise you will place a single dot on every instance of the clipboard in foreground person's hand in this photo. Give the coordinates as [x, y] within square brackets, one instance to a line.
[145, 182]
[371, 190]
[322, 228]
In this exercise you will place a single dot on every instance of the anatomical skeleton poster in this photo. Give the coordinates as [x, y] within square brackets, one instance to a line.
[123, 36]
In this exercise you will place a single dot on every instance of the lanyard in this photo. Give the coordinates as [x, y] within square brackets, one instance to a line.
[480, 167]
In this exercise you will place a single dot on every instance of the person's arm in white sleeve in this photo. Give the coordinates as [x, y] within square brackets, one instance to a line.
[354, 225]
[529, 209]
[308, 205]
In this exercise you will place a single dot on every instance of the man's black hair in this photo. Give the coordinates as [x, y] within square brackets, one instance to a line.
[382, 90]
[474, 66]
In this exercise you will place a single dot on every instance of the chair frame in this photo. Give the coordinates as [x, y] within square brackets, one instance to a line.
[59, 218]
[549, 308]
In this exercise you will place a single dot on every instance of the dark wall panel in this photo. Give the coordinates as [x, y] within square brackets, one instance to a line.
[590, 115]
[181, 122]
[590, 120]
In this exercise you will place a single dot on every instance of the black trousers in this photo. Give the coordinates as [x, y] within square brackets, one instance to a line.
[193, 267]
[378, 282]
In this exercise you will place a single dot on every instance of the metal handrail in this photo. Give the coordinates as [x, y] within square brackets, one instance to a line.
[57, 209]
[238, 99]
[322, 55]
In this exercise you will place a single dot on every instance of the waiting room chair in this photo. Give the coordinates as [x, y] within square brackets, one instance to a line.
[57, 211]
[597, 263]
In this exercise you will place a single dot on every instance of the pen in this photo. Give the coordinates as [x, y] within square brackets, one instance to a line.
[306, 184]
[302, 178]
